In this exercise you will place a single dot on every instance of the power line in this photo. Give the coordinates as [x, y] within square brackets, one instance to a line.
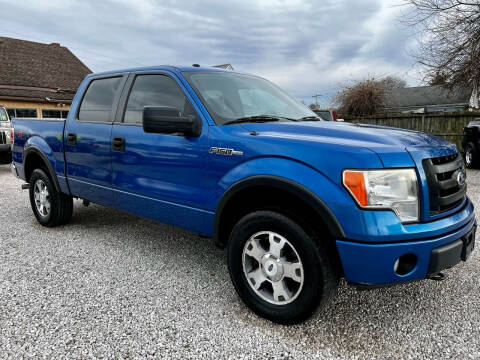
[316, 96]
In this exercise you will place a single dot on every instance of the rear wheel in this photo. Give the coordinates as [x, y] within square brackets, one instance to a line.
[51, 207]
[471, 156]
[277, 268]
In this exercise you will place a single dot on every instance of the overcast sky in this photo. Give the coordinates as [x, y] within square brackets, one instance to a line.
[306, 47]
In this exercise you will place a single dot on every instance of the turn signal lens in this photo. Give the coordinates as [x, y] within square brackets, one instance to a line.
[355, 182]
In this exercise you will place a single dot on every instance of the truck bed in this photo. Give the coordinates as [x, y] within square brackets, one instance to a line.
[44, 134]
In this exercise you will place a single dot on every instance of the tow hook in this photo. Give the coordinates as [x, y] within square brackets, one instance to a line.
[438, 276]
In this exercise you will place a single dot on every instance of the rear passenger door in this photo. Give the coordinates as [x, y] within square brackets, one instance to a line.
[88, 141]
[160, 176]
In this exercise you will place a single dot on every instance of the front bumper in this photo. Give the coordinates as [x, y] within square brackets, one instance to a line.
[377, 264]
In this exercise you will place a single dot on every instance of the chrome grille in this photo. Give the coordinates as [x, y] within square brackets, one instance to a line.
[444, 188]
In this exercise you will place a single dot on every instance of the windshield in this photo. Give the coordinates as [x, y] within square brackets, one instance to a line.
[230, 96]
[3, 115]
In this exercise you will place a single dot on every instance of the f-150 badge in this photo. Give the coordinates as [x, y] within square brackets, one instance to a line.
[224, 151]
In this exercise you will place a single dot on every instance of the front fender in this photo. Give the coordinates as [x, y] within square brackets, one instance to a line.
[290, 169]
[292, 175]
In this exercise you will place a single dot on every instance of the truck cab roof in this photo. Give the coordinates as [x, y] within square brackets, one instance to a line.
[172, 68]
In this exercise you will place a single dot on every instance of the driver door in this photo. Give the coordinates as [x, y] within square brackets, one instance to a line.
[159, 176]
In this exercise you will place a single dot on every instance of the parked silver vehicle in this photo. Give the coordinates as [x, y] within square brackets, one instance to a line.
[5, 137]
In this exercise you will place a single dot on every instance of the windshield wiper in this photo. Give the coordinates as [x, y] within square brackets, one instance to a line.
[312, 118]
[254, 118]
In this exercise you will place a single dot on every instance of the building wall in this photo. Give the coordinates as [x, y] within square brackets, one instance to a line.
[39, 106]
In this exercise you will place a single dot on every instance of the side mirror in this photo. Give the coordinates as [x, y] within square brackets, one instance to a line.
[167, 120]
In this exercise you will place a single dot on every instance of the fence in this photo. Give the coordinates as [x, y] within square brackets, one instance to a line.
[448, 125]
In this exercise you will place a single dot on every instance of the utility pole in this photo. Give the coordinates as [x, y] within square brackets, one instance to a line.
[316, 96]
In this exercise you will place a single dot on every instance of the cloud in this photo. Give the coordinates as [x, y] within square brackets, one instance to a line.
[305, 46]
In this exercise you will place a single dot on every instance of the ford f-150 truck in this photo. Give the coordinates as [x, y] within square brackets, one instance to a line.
[297, 202]
[471, 143]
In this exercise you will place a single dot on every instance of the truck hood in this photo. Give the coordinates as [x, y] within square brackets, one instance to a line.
[392, 145]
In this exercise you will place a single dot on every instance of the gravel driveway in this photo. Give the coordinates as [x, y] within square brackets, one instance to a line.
[112, 285]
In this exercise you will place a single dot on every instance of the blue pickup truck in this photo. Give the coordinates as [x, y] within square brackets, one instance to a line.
[297, 202]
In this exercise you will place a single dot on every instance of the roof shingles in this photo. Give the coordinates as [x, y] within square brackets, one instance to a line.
[427, 95]
[32, 64]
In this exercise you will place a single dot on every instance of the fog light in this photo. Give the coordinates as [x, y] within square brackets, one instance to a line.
[405, 264]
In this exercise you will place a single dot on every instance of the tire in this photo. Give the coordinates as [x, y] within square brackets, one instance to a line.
[315, 278]
[5, 158]
[471, 156]
[55, 207]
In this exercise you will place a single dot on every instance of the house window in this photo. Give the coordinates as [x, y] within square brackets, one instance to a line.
[22, 113]
[54, 114]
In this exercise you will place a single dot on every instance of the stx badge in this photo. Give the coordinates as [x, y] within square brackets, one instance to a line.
[224, 151]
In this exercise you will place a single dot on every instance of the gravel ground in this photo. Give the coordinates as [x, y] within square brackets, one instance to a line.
[112, 285]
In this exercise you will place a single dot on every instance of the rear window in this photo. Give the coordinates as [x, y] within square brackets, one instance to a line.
[324, 114]
[3, 115]
[98, 100]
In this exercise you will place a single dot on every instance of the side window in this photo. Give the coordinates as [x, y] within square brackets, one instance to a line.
[98, 100]
[155, 90]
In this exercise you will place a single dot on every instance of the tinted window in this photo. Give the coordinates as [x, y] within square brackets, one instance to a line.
[155, 90]
[98, 100]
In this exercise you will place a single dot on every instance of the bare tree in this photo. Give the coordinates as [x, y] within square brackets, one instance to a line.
[449, 40]
[367, 96]
[392, 82]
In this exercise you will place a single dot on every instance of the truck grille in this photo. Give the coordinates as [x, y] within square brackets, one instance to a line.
[444, 188]
[3, 137]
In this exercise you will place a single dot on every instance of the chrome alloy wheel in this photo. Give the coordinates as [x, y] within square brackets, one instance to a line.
[42, 198]
[469, 156]
[272, 267]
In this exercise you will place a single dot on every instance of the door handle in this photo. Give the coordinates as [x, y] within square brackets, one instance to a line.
[72, 139]
[118, 144]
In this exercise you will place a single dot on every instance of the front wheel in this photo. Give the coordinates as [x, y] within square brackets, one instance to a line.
[277, 268]
[51, 207]
[471, 156]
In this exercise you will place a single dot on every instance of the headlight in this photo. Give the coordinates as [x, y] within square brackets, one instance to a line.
[394, 189]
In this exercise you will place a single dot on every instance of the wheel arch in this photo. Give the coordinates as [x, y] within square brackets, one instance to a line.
[222, 223]
[34, 158]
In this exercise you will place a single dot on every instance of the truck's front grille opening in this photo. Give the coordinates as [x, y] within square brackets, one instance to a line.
[446, 186]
